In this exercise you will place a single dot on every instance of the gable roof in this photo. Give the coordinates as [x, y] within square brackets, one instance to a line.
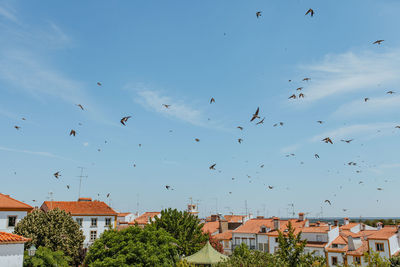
[211, 227]
[80, 208]
[235, 218]
[206, 255]
[8, 203]
[349, 226]
[7, 238]
[145, 217]
[227, 235]
[384, 233]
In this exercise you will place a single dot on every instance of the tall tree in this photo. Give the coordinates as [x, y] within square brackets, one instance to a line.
[185, 228]
[133, 246]
[290, 246]
[55, 230]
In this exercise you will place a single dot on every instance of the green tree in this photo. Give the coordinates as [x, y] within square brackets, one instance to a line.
[45, 257]
[133, 246]
[395, 261]
[291, 247]
[375, 260]
[185, 228]
[55, 230]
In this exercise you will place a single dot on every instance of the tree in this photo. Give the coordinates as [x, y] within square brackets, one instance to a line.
[215, 243]
[133, 246]
[185, 228]
[395, 261]
[55, 230]
[375, 260]
[290, 246]
[45, 257]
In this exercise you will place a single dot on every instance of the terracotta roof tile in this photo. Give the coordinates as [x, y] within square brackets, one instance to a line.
[349, 226]
[7, 203]
[384, 233]
[12, 238]
[317, 229]
[234, 218]
[316, 244]
[224, 236]
[360, 251]
[80, 207]
[210, 227]
[145, 217]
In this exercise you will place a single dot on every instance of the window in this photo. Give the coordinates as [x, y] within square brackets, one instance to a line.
[319, 238]
[334, 260]
[252, 243]
[357, 259]
[108, 221]
[237, 240]
[244, 240]
[276, 240]
[12, 221]
[93, 236]
[334, 245]
[93, 222]
[79, 221]
[379, 247]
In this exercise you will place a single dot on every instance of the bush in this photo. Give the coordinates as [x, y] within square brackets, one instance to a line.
[45, 257]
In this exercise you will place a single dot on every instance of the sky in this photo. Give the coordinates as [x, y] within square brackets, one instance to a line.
[183, 53]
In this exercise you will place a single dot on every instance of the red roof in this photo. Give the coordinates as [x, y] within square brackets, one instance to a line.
[349, 226]
[80, 207]
[6, 238]
[211, 227]
[8, 203]
[384, 233]
[224, 236]
[253, 226]
[235, 218]
[317, 229]
[145, 217]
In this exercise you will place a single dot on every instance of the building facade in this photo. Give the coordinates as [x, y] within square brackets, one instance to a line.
[11, 212]
[12, 249]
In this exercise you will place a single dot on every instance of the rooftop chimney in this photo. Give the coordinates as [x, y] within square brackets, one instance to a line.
[301, 216]
[346, 221]
[83, 199]
[214, 217]
[336, 222]
[330, 226]
[379, 225]
[260, 217]
[276, 223]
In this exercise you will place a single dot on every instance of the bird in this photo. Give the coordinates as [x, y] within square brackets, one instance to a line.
[390, 92]
[306, 79]
[108, 195]
[67, 186]
[299, 89]
[124, 119]
[166, 106]
[212, 100]
[134, 165]
[378, 42]
[281, 123]
[255, 115]
[17, 127]
[258, 14]
[301, 95]
[379, 189]
[72, 132]
[99, 83]
[270, 187]
[347, 141]
[292, 96]
[240, 140]
[262, 166]
[344, 210]
[57, 174]
[316, 156]
[261, 121]
[327, 140]
[140, 145]
[167, 187]
[310, 11]
[328, 201]
[240, 128]
[366, 99]
[320, 122]
[212, 167]
[233, 178]
[23, 119]
[197, 139]
[398, 127]
[79, 105]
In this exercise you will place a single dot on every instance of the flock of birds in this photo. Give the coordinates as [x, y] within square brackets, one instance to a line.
[255, 118]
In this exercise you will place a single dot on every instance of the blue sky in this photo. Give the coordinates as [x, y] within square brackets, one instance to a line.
[182, 53]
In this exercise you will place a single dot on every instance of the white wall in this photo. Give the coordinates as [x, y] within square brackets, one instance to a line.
[11, 255]
[333, 234]
[339, 256]
[312, 237]
[372, 246]
[317, 251]
[4, 219]
[394, 244]
[101, 226]
[350, 261]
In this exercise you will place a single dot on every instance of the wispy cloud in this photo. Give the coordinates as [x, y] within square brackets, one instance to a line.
[8, 14]
[38, 153]
[352, 72]
[154, 101]
[290, 148]
[389, 166]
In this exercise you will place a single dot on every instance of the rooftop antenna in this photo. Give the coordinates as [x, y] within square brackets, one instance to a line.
[137, 204]
[51, 198]
[245, 207]
[80, 180]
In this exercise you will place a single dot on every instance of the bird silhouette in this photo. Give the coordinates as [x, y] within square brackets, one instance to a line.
[347, 141]
[108, 195]
[328, 201]
[261, 121]
[390, 92]
[258, 14]
[310, 11]
[378, 42]
[316, 156]
[306, 79]
[124, 120]
[240, 140]
[255, 115]
[72, 132]
[327, 140]
[79, 105]
[270, 187]
[17, 127]
[57, 174]
[240, 128]
[212, 100]
[366, 99]
[212, 167]
[320, 122]
[99, 84]
[299, 89]
[166, 106]
[301, 95]
[293, 96]
[197, 139]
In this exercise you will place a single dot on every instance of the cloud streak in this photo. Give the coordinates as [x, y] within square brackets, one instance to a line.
[37, 153]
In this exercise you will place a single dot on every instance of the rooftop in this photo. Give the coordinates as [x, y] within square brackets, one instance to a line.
[145, 217]
[82, 207]
[9, 203]
[7, 238]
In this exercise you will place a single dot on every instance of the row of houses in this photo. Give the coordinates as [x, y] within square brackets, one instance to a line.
[340, 244]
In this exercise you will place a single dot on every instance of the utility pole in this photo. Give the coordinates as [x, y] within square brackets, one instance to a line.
[80, 180]
[245, 207]
[50, 197]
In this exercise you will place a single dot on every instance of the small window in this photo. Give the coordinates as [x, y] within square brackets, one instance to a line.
[380, 247]
[319, 238]
[93, 222]
[334, 261]
[93, 236]
[79, 221]
[276, 240]
[108, 221]
[244, 240]
[237, 240]
[357, 259]
[335, 246]
[12, 221]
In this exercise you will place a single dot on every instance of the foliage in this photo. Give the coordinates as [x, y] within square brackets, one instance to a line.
[55, 230]
[395, 261]
[290, 246]
[375, 260]
[185, 228]
[374, 222]
[45, 257]
[215, 243]
[133, 246]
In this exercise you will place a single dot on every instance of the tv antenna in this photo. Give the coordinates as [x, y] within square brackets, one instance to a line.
[80, 180]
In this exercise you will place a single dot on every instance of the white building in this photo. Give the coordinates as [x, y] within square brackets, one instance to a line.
[11, 212]
[94, 217]
[11, 249]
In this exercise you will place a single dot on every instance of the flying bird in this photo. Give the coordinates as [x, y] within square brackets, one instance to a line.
[262, 166]
[212, 100]
[167, 187]
[240, 140]
[72, 132]
[23, 119]
[292, 96]
[258, 14]
[17, 127]
[347, 141]
[255, 115]
[366, 99]
[99, 83]
[316, 156]
[166, 106]
[327, 140]
[261, 121]
[378, 42]
[320, 122]
[310, 11]
[299, 89]
[79, 105]
[108, 195]
[240, 128]
[124, 120]
[398, 127]
[379, 189]
[197, 139]
[67, 186]
[328, 201]
[212, 167]
[270, 187]
[301, 95]
[307, 79]
[390, 92]
[57, 174]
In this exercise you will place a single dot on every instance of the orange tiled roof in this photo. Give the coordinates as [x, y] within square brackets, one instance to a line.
[12, 238]
[384, 233]
[234, 218]
[254, 226]
[224, 236]
[317, 229]
[123, 214]
[210, 227]
[80, 207]
[9, 203]
[145, 217]
[360, 251]
[349, 226]
[316, 244]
